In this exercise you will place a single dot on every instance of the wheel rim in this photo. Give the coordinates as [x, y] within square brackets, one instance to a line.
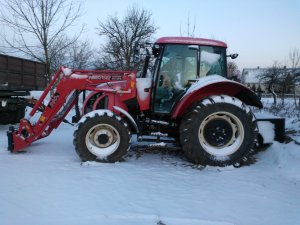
[221, 134]
[102, 140]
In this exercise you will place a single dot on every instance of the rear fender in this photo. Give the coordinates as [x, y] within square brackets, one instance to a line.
[215, 86]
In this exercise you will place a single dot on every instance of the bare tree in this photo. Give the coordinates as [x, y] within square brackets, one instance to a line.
[57, 53]
[121, 36]
[40, 26]
[80, 55]
[233, 71]
[294, 58]
[190, 32]
[271, 77]
[286, 82]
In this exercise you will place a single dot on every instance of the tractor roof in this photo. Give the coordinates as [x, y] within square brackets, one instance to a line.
[190, 41]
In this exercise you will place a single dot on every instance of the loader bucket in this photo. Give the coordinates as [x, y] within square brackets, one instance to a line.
[16, 139]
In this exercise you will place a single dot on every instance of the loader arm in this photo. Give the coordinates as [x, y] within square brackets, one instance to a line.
[67, 85]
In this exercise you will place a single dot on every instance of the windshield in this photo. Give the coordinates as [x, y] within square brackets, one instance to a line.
[182, 63]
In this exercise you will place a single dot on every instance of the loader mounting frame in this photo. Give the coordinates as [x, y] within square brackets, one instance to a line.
[67, 85]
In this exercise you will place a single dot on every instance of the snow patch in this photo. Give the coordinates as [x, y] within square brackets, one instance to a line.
[66, 71]
[159, 122]
[223, 154]
[265, 115]
[267, 131]
[160, 144]
[103, 153]
[204, 81]
[79, 76]
[49, 185]
[210, 58]
[227, 99]
[159, 134]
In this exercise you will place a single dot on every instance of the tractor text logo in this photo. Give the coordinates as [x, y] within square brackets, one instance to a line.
[106, 77]
[100, 77]
[53, 100]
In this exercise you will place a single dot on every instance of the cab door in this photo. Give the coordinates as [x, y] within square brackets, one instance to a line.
[177, 66]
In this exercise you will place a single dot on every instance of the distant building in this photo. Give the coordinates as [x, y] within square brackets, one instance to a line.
[251, 78]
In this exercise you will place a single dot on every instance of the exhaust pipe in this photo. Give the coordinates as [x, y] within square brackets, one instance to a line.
[10, 139]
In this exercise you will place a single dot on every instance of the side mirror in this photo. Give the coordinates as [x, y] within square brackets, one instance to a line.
[156, 50]
[233, 56]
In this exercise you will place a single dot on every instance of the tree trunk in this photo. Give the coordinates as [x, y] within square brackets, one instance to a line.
[295, 98]
[273, 94]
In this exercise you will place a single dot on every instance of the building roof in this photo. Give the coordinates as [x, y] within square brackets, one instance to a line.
[251, 75]
[191, 41]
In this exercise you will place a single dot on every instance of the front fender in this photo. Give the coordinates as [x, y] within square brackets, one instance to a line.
[214, 85]
[100, 112]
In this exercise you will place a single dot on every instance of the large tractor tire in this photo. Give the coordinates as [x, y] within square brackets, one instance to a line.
[103, 138]
[218, 131]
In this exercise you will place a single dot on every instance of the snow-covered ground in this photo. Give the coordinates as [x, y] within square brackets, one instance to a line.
[49, 185]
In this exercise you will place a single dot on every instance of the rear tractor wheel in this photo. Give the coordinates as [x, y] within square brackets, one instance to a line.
[103, 138]
[219, 131]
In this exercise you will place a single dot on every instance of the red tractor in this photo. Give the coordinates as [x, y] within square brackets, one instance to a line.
[186, 97]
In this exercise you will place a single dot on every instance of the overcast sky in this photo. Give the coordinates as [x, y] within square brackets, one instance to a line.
[261, 31]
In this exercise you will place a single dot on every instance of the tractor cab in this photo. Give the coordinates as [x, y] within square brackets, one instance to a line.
[180, 61]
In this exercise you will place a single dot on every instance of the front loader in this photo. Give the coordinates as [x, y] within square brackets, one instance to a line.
[187, 97]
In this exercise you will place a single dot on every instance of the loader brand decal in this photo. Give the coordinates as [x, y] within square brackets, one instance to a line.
[105, 77]
[53, 100]
[116, 77]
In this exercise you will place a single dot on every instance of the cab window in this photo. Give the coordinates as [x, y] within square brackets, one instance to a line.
[177, 67]
[212, 61]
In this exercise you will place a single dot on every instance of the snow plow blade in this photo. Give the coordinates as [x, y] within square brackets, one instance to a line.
[278, 129]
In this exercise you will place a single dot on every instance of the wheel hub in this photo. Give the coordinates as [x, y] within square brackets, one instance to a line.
[103, 139]
[221, 134]
[218, 132]
[102, 136]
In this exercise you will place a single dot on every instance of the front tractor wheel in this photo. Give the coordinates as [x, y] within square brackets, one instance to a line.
[218, 131]
[104, 138]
